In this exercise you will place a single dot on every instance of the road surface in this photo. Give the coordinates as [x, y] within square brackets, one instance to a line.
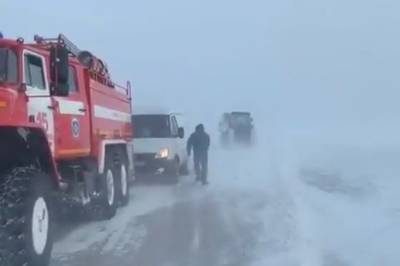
[186, 224]
[323, 207]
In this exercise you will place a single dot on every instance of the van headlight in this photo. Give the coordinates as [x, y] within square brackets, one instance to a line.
[162, 154]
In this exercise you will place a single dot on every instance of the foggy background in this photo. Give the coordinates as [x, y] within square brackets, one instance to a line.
[307, 65]
[321, 78]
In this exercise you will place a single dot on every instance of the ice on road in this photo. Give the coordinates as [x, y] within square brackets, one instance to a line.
[276, 204]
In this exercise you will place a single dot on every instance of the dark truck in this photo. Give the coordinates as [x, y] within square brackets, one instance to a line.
[236, 127]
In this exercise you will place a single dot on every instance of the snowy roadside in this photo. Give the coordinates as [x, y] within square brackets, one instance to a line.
[330, 201]
[346, 198]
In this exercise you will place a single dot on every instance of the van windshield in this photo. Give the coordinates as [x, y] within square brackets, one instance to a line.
[8, 66]
[151, 126]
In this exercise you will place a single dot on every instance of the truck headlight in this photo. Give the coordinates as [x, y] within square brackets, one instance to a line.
[162, 154]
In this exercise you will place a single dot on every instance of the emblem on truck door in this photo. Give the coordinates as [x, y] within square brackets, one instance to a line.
[75, 127]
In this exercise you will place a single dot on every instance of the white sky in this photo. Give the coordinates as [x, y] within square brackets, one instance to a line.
[306, 63]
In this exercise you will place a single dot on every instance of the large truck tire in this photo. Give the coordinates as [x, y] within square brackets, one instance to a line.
[25, 217]
[122, 187]
[108, 198]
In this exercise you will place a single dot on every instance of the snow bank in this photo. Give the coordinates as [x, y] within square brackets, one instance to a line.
[331, 198]
[345, 189]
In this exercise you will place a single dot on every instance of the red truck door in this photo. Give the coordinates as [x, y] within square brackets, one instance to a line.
[39, 105]
[72, 118]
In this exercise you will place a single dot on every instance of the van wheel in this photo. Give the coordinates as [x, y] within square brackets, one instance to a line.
[25, 218]
[173, 171]
[123, 193]
[108, 191]
[184, 169]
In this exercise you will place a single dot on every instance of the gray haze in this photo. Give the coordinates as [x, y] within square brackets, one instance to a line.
[322, 80]
[299, 63]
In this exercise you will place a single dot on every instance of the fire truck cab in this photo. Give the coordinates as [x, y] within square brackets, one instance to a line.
[65, 128]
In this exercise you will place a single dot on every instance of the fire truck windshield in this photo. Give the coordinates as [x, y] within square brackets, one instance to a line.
[8, 66]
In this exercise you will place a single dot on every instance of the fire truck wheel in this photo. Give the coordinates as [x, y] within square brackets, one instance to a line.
[108, 191]
[123, 184]
[25, 218]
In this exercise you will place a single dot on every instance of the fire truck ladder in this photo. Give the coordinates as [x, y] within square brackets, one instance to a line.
[61, 39]
[99, 67]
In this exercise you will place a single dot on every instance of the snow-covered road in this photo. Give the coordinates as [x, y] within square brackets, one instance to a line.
[276, 204]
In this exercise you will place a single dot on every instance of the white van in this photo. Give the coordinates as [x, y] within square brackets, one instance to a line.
[159, 143]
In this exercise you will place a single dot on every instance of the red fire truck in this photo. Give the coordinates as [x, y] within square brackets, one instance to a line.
[65, 130]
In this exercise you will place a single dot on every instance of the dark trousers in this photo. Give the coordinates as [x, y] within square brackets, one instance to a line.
[201, 166]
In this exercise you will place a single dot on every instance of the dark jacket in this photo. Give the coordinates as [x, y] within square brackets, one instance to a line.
[199, 141]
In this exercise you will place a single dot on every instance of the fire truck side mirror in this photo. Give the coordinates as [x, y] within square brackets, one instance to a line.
[59, 70]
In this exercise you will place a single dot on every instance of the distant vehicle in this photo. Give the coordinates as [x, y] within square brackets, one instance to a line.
[159, 143]
[236, 127]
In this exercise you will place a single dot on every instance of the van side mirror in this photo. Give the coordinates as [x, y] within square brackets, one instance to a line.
[22, 88]
[59, 70]
[181, 132]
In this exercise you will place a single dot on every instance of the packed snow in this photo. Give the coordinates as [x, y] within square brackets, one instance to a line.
[343, 190]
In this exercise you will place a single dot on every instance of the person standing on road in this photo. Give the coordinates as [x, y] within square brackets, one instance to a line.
[199, 142]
